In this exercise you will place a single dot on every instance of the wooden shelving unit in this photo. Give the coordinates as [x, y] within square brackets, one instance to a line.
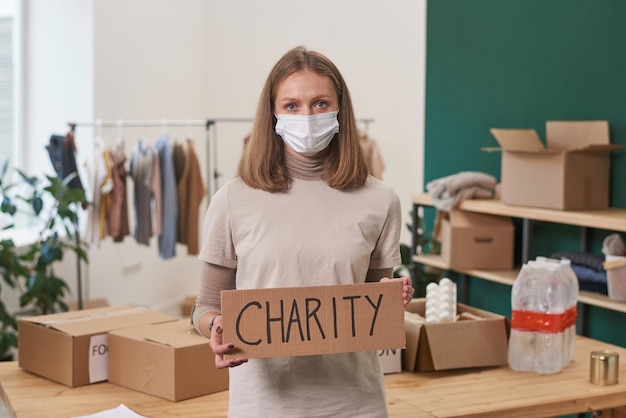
[611, 219]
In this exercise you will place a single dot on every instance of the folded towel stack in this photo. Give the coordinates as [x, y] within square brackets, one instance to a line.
[447, 192]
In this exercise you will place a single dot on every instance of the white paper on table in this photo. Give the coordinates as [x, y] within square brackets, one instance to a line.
[121, 411]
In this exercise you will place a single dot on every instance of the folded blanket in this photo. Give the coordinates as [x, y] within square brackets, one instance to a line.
[582, 258]
[590, 279]
[448, 191]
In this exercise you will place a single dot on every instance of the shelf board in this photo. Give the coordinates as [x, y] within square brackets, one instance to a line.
[612, 219]
[507, 277]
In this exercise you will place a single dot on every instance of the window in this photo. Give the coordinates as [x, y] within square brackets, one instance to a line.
[10, 81]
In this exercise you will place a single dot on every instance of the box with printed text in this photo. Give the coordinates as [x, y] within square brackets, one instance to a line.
[72, 347]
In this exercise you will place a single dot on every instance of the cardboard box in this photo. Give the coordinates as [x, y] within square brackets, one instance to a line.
[88, 304]
[615, 267]
[474, 240]
[169, 360]
[571, 172]
[187, 306]
[455, 345]
[300, 321]
[71, 347]
[390, 360]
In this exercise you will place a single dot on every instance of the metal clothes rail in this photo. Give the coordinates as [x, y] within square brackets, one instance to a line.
[211, 150]
[211, 134]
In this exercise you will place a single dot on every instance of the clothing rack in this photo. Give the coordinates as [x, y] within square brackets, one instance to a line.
[211, 152]
[211, 148]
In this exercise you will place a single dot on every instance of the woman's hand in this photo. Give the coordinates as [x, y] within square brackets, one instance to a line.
[220, 349]
[407, 288]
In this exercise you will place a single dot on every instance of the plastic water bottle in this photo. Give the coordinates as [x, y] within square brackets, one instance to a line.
[569, 319]
[540, 298]
[570, 274]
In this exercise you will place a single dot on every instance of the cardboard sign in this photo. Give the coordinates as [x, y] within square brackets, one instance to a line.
[300, 321]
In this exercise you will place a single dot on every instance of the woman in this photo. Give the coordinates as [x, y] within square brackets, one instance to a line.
[303, 212]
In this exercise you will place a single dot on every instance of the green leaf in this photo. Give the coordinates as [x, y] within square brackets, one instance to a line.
[5, 166]
[33, 181]
[7, 206]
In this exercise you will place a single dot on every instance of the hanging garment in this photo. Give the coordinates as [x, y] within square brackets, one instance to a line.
[181, 168]
[157, 205]
[118, 213]
[141, 168]
[105, 199]
[62, 151]
[195, 193]
[373, 157]
[167, 239]
[96, 180]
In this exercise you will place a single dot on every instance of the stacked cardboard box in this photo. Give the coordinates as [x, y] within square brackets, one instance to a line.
[169, 360]
[473, 240]
[72, 347]
[571, 173]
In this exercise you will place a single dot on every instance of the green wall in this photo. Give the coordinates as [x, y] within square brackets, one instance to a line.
[516, 64]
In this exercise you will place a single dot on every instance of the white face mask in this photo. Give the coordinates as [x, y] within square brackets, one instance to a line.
[307, 135]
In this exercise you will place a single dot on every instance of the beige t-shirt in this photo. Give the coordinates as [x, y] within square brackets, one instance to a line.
[311, 235]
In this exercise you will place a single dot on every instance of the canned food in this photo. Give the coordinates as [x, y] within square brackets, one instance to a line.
[604, 368]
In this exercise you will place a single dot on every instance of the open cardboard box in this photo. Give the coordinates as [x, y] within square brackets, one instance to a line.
[455, 345]
[477, 241]
[71, 347]
[169, 360]
[571, 172]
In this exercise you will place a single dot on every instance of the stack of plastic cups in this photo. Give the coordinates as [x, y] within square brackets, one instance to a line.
[441, 301]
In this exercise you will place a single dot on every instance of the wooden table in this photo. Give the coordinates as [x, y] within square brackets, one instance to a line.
[485, 392]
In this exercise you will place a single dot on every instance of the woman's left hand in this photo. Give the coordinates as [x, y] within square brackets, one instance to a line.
[407, 288]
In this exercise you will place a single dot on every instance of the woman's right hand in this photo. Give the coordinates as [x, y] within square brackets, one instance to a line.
[220, 349]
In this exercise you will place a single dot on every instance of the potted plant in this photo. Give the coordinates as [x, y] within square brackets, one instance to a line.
[54, 207]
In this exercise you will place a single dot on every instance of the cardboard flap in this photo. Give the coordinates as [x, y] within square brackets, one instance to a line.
[599, 149]
[412, 329]
[481, 348]
[176, 338]
[79, 315]
[89, 323]
[461, 218]
[574, 135]
[518, 139]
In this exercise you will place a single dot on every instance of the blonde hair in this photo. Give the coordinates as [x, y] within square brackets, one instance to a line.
[262, 164]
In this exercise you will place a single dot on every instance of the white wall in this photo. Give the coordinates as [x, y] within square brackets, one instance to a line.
[166, 59]
[58, 73]
[57, 86]
[379, 46]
